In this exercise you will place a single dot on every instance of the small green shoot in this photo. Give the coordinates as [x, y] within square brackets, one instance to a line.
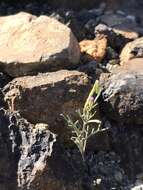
[87, 125]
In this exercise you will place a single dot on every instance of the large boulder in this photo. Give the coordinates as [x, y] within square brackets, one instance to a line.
[44, 97]
[132, 50]
[32, 157]
[122, 92]
[29, 44]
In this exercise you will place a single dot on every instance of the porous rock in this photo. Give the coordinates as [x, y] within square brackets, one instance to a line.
[94, 49]
[25, 149]
[122, 92]
[29, 44]
[44, 97]
[31, 157]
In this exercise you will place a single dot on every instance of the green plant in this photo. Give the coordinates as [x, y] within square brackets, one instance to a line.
[87, 125]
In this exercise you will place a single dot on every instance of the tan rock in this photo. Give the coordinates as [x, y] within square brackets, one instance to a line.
[29, 44]
[94, 49]
[42, 98]
[126, 33]
[132, 50]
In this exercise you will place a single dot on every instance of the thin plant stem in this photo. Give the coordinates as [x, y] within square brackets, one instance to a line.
[87, 125]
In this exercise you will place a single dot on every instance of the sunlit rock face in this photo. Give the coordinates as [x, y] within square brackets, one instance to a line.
[122, 92]
[30, 44]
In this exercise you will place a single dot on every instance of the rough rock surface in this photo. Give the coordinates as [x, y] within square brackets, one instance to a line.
[31, 158]
[118, 21]
[8, 165]
[62, 171]
[106, 173]
[117, 38]
[24, 150]
[25, 160]
[94, 49]
[122, 92]
[127, 142]
[29, 44]
[132, 50]
[36, 146]
[44, 97]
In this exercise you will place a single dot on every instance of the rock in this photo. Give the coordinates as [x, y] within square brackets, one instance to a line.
[132, 50]
[62, 171]
[94, 49]
[4, 79]
[117, 38]
[77, 5]
[75, 26]
[112, 55]
[138, 187]
[69, 18]
[7, 161]
[34, 44]
[42, 98]
[37, 145]
[89, 29]
[127, 34]
[119, 177]
[85, 15]
[122, 93]
[99, 142]
[112, 65]
[127, 141]
[32, 157]
[90, 69]
[133, 7]
[107, 166]
[118, 20]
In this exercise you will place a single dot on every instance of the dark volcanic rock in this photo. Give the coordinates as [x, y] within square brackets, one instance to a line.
[117, 38]
[63, 171]
[36, 146]
[8, 166]
[106, 171]
[4, 79]
[127, 141]
[30, 161]
[122, 93]
[118, 21]
[44, 97]
[24, 150]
